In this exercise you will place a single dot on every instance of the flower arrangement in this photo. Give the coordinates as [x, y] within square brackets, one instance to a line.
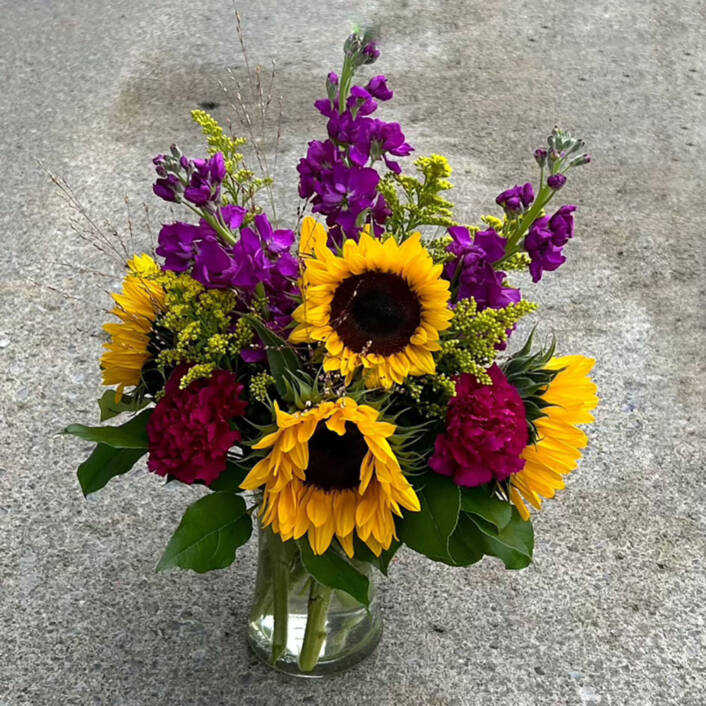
[345, 383]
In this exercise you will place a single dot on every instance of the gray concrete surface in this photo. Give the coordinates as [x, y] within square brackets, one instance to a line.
[612, 610]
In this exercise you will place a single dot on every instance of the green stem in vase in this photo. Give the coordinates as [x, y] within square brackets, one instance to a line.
[279, 557]
[315, 633]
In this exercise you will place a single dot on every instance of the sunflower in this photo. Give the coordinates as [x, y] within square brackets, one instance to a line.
[379, 305]
[571, 396]
[137, 308]
[331, 471]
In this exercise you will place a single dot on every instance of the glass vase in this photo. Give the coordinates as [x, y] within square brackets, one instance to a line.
[301, 627]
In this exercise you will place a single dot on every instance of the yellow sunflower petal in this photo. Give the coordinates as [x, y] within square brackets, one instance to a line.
[571, 395]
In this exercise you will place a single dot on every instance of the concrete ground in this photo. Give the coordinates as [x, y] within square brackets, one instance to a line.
[611, 612]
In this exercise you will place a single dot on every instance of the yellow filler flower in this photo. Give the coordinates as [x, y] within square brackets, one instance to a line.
[137, 308]
[331, 471]
[378, 305]
[572, 395]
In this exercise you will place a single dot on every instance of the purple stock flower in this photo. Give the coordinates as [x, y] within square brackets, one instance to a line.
[320, 157]
[546, 238]
[377, 87]
[184, 245]
[375, 140]
[346, 188]
[360, 102]
[562, 225]
[168, 187]
[347, 195]
[263, 258]
[178, 243]
[516, 199]
[473, 268]
[205, 180]
[556, 181]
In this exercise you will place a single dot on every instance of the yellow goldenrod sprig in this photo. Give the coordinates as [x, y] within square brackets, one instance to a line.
[471, 344]
[424, 203]
[241, 185]
[201, 323]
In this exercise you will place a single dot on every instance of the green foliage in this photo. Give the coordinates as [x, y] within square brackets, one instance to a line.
[131, 435]
[332, 569]
[428, 530]
[525, 371]
[513, 544]
[240, 185]
[104, 463]
[231, 478]
[458, 526]
[423, 203]
[483, 501]
[280, 355]
[363, 553]
[110, 408]
[208, 535]
[465, 546]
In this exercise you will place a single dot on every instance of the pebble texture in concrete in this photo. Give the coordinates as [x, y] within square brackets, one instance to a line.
[611, 612]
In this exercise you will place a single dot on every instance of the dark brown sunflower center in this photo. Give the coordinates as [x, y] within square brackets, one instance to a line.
[152, 376]
[334, 461]
[376, 312]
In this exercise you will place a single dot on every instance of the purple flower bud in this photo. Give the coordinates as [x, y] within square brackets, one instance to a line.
[184, 161]
[556, 181]
[541, 156]
[371, 52]
[159, 159]
[516, 199]
[580, 160]
[332, 79]
[217, 167]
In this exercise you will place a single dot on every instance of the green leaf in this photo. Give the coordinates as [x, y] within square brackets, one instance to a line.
[514, 544]
[466, 542]
[482, 501]
[335, 571]
[110, 408]
[280, 355]
[131, 435]
[363, 553]
[231, 478]
[104, 463]
[428, 530]
[208, 535]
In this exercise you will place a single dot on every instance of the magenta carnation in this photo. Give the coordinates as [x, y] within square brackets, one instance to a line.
[189, 431]
[486, 431]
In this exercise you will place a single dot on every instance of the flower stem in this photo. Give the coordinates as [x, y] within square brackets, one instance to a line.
[315, 633]
[280, 596]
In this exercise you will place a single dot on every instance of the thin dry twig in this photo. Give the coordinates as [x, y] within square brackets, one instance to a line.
[86, 227]
[261, 91]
